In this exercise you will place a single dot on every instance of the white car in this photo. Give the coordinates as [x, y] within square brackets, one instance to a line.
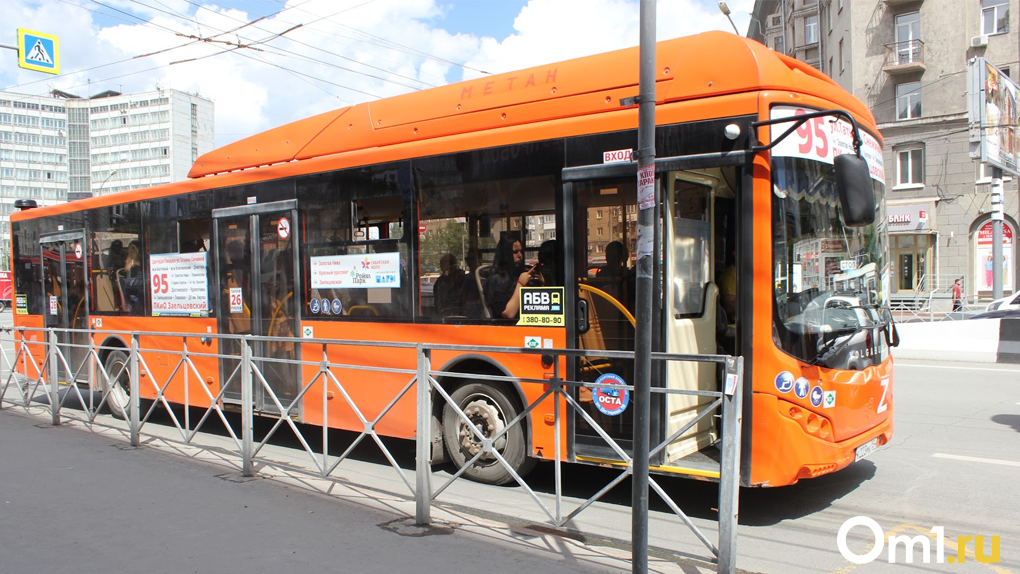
[1009, 302]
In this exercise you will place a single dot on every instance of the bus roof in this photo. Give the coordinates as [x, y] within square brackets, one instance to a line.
[707, 64]
[699, 66]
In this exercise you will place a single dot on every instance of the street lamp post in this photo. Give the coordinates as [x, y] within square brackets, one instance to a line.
[725, 9]
[100, 190]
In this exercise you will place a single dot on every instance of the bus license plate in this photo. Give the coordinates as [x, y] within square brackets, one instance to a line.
[866, 449]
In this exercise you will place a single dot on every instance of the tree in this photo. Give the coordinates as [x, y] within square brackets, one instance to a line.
[440, 238]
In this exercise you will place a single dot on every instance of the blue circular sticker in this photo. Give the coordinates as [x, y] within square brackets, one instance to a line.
[610, 401]
[801, 387]
[325, 305]
[784, 382]
[816, 396]
[338, 307]
[314, 305]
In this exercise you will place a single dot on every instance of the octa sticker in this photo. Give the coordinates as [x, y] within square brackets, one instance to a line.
[610, 401]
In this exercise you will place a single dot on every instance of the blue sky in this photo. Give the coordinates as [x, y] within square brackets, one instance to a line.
[309, 56]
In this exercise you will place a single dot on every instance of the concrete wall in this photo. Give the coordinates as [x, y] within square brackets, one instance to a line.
[974, 341]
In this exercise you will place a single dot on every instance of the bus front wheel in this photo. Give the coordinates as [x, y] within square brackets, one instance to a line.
[119, 384]
[489, 411]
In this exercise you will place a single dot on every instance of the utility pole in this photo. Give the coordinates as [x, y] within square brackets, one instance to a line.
[647, 256]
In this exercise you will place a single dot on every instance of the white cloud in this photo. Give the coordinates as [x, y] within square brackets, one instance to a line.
[370, 50]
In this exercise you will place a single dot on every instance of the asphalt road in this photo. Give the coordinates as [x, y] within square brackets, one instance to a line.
[954, 462]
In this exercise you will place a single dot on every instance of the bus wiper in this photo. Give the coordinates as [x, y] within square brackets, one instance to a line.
[837, 343]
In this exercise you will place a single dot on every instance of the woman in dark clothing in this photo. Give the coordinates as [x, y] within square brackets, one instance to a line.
[509, 274]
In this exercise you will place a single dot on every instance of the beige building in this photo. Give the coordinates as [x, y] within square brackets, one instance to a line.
[907, 60]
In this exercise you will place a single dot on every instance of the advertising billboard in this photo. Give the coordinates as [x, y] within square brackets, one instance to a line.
[993, 116]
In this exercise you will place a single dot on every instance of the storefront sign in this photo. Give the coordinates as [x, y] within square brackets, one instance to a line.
[910, 217]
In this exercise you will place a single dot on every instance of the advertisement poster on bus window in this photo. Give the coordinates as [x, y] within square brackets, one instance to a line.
[179, 284]
[822, 139]
[362, 271]
[993, 116]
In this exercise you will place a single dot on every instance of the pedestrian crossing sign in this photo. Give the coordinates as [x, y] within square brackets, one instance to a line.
[38, 51]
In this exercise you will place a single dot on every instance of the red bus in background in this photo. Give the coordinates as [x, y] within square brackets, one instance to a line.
[6, 291]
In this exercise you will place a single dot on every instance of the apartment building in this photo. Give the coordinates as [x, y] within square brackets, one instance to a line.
[62, 147]
[907, 60]
[145, 139]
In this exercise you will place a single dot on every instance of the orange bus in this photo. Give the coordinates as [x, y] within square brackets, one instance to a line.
[412, 218]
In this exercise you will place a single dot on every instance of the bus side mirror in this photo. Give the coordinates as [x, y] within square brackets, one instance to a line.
[856, 194]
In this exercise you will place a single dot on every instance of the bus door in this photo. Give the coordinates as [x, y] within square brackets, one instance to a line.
[601, 291]
[696, 231]
[66, 299]
[257, 266]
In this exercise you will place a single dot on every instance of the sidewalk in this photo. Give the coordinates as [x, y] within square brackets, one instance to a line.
[75, 500]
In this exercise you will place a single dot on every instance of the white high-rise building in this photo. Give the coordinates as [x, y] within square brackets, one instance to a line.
[60, 147]
[145, 139]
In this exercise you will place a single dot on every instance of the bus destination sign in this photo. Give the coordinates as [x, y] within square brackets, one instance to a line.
[180, 284]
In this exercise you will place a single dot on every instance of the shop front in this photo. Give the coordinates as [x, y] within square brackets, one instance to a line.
[984, 267]
[912, 232]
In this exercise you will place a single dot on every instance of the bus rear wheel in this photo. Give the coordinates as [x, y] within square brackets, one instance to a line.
[489, 410]
[119, 397]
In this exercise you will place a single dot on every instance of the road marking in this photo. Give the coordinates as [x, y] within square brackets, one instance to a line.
[942, 366]
[976, 459]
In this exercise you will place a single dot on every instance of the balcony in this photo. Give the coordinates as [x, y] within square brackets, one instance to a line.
[904, 57]
[894, 3]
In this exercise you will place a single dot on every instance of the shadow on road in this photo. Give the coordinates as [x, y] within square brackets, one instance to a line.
[769, 506]
[1008, 420]
[698, 499]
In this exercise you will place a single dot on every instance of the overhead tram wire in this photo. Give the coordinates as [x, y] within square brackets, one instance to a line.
[381, 42]
[308, 58]
[140, 20]
[287, 53]
[335, 55]
[376, 96]
[140, 56]
[136, 20]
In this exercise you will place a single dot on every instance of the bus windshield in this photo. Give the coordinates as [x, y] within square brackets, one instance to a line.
[828, 294]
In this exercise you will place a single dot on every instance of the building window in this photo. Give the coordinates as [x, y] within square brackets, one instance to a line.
[908, 32]
[775, 20]
[908, 101]
[811, 30]
[985, 173]
[840, 5]
[832, 70]
[780, 45]
[828, 14]
[994, 16]
[842, 56]
[910, 167]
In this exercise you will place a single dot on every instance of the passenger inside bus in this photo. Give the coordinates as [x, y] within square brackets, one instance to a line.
[508, 274]
[130, 281]
[547, 262]
[449, 291]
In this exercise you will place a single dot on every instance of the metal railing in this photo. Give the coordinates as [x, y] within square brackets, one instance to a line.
[932, 300]
[905, 53]
[35, 360]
